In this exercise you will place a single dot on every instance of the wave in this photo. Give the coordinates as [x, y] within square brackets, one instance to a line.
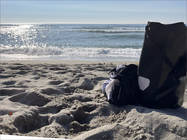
[111, 30]
[35, 52]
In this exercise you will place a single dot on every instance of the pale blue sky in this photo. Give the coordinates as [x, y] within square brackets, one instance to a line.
[93, 11]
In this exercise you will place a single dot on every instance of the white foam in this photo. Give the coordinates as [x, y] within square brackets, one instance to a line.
[44, 52]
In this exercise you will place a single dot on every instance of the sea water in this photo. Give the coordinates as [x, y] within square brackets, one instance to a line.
[102, 42]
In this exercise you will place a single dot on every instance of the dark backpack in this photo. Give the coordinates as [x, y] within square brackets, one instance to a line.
[122, 88]
[162, 67]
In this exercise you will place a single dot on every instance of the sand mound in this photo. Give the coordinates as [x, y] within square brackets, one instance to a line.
[85, 83]
[29, 120]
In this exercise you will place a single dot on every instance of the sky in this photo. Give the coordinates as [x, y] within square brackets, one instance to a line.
[93, 11]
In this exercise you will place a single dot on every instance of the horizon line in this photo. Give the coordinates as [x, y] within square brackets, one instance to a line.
[163, 22]
[66, 23]
[19, 23]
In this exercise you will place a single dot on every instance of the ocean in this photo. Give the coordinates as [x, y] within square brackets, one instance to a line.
[97, 42]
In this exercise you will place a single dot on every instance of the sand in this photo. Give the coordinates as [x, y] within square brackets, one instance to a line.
[63, 99]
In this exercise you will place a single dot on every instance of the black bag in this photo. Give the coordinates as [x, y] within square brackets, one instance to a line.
[162, 67]
[122, 89]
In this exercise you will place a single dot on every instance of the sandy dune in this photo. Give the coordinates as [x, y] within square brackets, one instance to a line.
[65, 100]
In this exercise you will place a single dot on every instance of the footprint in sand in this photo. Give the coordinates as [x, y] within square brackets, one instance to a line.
[14, 67]
[61, 72]
[56, 68]
[19, 67]
[1, 70]
[9, 82]
[30, 98]
[55, 82]
[89, 107]
[50, 109]
[10, 91]
[79, 97]
[36, 77]
[2, 76]
[64, 117]
[76, 127]
[22, 72]
[51, 91]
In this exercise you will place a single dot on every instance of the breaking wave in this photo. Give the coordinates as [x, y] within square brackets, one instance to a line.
[34, 52]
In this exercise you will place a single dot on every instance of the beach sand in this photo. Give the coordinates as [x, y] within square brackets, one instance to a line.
[63, 99]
